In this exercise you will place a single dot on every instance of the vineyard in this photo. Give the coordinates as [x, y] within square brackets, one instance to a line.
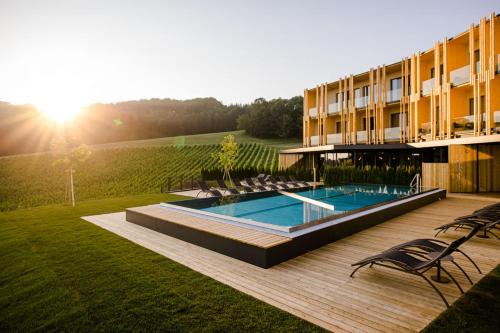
[27, 181]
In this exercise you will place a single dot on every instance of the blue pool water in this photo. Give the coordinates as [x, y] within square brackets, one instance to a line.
[282, 210]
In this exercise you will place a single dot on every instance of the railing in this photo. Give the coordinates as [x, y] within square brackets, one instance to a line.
[460, 76]
[478, 66]
[361, 136]
[314, 140]
[333, 108]
[465, 123]
[313, 112]
[174, 184]
[427, 86]
[392, 133]
[393, 95]
[361, 102]
[426, 128]
[416, 181]
[332, 139]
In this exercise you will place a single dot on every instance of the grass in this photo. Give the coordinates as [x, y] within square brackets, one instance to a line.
[476, 311]
[60, 273]
[210, 138]
[31, 180]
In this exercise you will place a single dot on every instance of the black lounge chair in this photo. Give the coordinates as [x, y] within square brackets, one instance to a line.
[415, 263]
[304, 184]
[275, 182]
[263, 183]
[224, 187]
[250, 183]
[486, 225]
[285, 181]
[245, 188]
[207, 190]
[430, 245]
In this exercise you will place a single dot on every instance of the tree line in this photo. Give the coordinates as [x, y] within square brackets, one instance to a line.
[24, 130]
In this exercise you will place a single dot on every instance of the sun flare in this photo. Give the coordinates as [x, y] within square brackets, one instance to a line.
[60, 111]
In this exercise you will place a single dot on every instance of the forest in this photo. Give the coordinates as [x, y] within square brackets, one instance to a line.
[23, 129]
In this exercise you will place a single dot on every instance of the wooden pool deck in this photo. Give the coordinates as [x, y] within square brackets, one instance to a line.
[316, 286]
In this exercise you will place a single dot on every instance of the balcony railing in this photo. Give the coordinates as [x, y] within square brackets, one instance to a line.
[333, 108]
[478, 66]
[313, 112]
[427, 86]
[332, 139]
[314, 140]
[460, 76]
[361, 102]
[393, 95]
[391, 133]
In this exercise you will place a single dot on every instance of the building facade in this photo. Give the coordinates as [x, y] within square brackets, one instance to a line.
[446, 99]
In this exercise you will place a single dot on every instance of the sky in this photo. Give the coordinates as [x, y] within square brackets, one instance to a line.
[80, 52]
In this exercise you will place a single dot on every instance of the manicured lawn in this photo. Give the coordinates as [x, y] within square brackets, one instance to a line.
[58, 272]
[476, 311]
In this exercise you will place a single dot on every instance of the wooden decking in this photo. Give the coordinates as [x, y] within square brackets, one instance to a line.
[241, 234]
[317, 287]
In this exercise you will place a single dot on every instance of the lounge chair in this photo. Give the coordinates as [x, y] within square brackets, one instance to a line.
[245, 188]
[275, 182]
[263, 183]
[430, 245]
[303, 184]
[250, 183]
[224, 187]
[486, 225]
[415, 264]
[207, 190]
[285, 181]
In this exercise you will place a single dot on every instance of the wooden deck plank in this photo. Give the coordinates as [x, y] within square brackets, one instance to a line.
[316, 286]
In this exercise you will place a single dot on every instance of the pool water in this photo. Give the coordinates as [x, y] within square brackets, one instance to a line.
[283, 210]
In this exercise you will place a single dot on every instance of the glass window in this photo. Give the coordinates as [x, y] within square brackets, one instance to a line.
[395, 120]
[338, 128]
[396, 84]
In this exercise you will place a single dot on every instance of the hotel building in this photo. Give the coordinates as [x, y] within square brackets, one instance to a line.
[440, 108]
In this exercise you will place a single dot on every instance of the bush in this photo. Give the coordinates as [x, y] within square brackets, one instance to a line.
[401, 175]
[251, 171]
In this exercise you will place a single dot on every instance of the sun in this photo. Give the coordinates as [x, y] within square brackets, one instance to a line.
[59, 110]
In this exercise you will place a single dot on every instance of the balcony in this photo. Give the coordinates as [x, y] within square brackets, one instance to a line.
[361, 136]
[463, 124]
[333, 108]
[391, 134]
[393, 95]
[460, 76]
[360, 102]
[313, 112]
[314, 140]
[427, 86]
[332, 139]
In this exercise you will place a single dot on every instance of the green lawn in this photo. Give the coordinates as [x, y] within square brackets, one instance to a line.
[61, 273]
[476, 311]
[204, 139]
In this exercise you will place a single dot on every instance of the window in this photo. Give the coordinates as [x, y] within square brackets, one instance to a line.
[482, 105]
[366, 91]
[338, 128]
[357, 93]
[395, 120]
[337, 97]
[471, 106]
[396, 84]
[375, 92]
[432, 73]
[363, 127]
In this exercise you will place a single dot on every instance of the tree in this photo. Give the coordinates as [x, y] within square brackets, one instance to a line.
[227, 156]
[69, 157]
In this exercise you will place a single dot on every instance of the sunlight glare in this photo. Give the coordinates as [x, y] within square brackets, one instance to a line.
[60, 109]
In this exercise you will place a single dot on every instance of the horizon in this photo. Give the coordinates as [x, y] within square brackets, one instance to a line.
[69, 56]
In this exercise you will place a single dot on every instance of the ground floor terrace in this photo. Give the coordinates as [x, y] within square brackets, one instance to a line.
[467, 165]
[316, 286]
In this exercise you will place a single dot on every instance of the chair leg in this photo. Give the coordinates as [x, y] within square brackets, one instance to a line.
[435, 289]
[453, 279]
[460, 268]
[356, 269]
[472, 261]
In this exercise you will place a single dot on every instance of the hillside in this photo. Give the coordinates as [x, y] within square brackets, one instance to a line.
[126, 168]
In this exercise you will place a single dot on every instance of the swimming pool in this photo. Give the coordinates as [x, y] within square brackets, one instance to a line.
[292, 210]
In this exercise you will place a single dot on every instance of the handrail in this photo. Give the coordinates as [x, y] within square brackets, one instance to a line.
[416, 181]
